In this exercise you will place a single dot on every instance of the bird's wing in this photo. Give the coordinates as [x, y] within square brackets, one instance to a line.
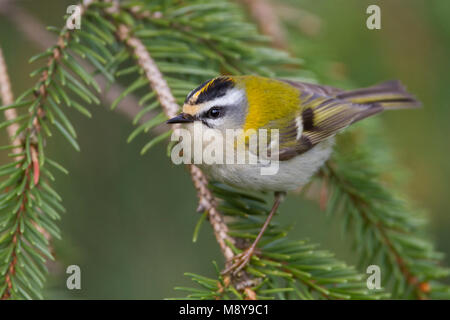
[311, 88]
[319, 118]
[324, 111]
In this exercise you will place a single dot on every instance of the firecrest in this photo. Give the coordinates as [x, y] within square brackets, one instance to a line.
[307, 117]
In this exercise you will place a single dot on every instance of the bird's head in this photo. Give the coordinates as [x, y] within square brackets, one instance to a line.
[219, 103]
[238, 102]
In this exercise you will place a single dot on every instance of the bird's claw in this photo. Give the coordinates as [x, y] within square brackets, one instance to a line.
[240, 261]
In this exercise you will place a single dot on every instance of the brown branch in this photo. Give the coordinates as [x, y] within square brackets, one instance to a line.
[208, 202]
[267, 20]
[8, 98]
[33, 167]
[10, 114]
[158, 84]
[155, 77]
[307, 22]
[37, 33]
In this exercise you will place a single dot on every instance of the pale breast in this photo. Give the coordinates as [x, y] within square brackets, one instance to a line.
[291, 174]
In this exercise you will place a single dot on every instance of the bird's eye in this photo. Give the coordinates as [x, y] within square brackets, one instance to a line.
[214, 112]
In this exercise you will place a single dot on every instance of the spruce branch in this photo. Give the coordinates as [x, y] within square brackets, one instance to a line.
[10, 114]
[35, 32]
[10, 268]
[250, 285]
[170, 49]
[157, 82]
[263, 13]
[208, 203]
[29, 205]
[332, 174]
[386, 231]
[230, 242]
[283, 268]
[7, 98]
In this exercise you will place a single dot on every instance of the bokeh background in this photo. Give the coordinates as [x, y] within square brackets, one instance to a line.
[130, 218]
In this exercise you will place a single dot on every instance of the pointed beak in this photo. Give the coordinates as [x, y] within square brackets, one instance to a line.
[181, 118]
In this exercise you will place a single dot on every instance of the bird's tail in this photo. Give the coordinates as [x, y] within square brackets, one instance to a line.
[389, 94]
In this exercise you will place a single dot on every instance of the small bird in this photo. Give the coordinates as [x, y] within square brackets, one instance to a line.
[307, 117]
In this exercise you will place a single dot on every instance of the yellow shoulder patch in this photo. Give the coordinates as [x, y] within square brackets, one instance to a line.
[268, 100]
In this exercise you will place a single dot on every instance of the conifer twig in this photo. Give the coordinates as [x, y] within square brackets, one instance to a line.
[208, 203]
[159, 85]
[32, 172]
[421, 289]
[31, 27]
[37, 33]
[267, 20]
[7, 98]
[283, 268]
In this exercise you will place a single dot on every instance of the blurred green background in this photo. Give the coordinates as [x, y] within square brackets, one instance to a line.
[130, 218]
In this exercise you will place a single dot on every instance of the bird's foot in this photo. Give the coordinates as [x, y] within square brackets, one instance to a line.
[240, 261]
